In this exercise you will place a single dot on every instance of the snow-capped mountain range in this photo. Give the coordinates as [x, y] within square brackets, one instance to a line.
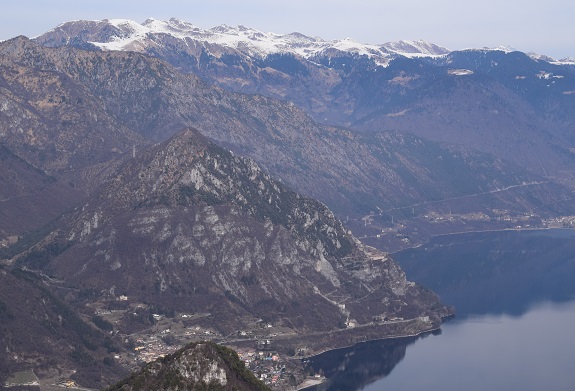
[124, 34]
[407, 86]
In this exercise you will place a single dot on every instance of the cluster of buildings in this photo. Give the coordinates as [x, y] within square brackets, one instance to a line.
[267, 366]
[560, 222]
[167, 341]
[152, 349]
[167, 335]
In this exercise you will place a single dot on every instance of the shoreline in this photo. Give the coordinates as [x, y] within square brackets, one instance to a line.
[414, 335]
[319, 343]
[312, 382]
[297, 349]
[479, 231]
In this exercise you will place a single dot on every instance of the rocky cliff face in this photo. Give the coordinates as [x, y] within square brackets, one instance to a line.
[199, 366]
[192, 227]
[29, 198]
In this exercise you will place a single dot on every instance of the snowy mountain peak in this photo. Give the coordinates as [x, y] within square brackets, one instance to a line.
[542, 57]
[500, 48]
[129, 27]
[173, 26]
[504, 48]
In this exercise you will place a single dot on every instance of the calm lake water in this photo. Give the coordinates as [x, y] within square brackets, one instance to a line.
[514, 294]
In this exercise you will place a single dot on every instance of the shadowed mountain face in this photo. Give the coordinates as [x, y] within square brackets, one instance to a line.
[504, 104]
[40, 331]
[28, 197]
[189, 226]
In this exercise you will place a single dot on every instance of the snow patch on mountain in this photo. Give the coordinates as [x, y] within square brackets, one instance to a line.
[415, 48]
[564, 61]
[460, 72]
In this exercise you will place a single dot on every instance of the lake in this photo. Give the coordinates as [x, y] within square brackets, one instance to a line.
[514, 295]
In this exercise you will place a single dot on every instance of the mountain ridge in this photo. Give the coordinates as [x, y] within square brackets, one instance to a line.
[352, 172]
[124, 34]
[346, 85]
[187, 226]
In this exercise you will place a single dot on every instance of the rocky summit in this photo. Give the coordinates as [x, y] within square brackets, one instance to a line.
[197, 366]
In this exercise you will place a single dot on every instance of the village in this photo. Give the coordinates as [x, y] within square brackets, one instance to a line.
[267, 364]
[169, 333]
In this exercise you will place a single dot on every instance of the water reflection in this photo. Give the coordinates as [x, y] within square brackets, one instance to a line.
[507, 334]
[495, 272]
[531, 352]
[353, 368]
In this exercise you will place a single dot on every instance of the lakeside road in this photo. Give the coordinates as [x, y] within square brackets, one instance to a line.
[316, 343]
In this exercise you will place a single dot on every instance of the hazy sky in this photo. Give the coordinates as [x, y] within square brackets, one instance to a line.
[546, 27]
